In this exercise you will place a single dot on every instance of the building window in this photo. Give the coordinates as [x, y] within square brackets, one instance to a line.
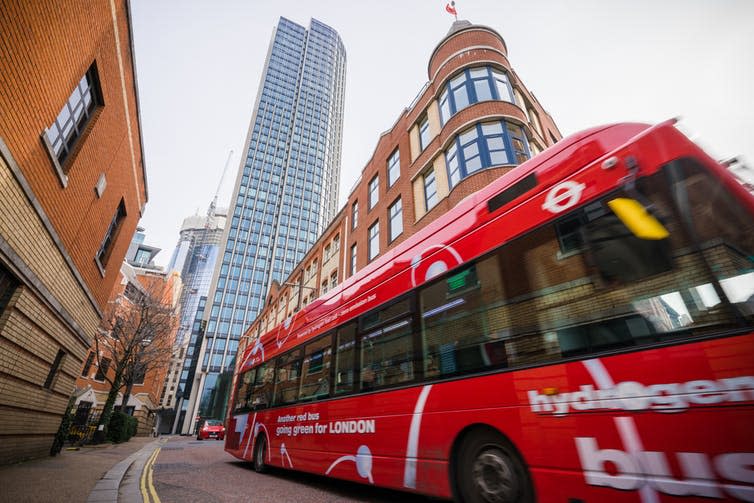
[8, 285]
[534, 119]
[472, 86]
[374, 240]
[393, 168]
[423, 133]
[106, 248]
[395, 213]
[333, 279]
[54, 369]
[568, 231]
[374, 191]
[142, 257]
[88, 365]
[485, 145]
[353, 259]
[104, 365]
[354, 214]
[72, 120]
[430, 190]
[140, 373]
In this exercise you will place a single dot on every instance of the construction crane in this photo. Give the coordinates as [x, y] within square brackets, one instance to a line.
[213, 204]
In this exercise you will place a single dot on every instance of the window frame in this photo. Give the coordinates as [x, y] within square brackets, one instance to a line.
[424, 137]
[353, 259]
[103, 362]
[55, 369]
[450, 89]
[8, 286]
[376, 238]
[62, 146]
[427, 197]
[392, 218]
[88, 364]
[373, 192]
[393, 168]
[111, 235]
[457, 162]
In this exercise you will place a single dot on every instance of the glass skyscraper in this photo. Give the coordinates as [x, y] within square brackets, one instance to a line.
[194, 258]
[286, 191]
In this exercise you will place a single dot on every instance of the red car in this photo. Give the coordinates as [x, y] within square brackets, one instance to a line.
[211, 428]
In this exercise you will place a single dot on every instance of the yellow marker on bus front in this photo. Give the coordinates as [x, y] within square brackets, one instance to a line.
[635, 216]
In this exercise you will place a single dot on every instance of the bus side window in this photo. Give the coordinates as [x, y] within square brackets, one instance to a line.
[315, 373]
[245, 387]
[345, 345]
[261, 396]
[387, 346]
[463, 321]
[288, 375]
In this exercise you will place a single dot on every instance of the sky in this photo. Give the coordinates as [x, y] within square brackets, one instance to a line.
[589, 62]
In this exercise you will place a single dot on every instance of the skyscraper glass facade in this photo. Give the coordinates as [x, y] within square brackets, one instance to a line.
[286, 190]
[194, 258]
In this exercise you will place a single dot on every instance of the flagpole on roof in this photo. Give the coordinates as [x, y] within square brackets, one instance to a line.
[451, 9]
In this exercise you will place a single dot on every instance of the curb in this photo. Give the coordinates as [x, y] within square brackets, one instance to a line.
[106, 490]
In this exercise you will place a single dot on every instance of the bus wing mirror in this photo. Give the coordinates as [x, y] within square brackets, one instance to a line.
[637, 219]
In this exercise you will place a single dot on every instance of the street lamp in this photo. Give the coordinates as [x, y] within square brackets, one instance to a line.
[300, 286]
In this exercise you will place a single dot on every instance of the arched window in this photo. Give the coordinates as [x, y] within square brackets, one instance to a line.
[472, 86]
[485, 145]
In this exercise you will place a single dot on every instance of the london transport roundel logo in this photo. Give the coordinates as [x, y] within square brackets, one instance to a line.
[563, 196]
[443, 260]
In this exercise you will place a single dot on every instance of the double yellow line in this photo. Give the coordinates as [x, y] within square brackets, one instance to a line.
[148, 492]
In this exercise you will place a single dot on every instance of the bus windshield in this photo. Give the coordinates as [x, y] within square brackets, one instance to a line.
[585, 284]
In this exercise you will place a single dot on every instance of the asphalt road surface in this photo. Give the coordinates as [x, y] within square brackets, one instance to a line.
[191, 471]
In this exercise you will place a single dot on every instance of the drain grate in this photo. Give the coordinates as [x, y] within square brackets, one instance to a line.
[171, 448]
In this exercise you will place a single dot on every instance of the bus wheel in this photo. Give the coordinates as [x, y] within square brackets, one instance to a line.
[489, 470]
[260, 451]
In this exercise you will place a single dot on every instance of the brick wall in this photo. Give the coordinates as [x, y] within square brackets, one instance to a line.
[51, 227]
[46, 47]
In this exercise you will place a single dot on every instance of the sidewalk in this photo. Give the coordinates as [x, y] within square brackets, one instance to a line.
[72, 476]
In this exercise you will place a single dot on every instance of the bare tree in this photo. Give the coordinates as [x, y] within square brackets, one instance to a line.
[136, 337]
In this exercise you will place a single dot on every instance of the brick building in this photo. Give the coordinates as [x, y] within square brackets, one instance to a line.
[72, 188]
[144, 401]
[472, 122]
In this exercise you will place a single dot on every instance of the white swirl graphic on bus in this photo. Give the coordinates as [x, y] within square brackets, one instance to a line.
[284, 455]
[257, 349]
[285, 330]
[423, 269]
[363, 460]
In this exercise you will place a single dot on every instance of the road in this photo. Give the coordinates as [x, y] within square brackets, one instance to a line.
[191, 471]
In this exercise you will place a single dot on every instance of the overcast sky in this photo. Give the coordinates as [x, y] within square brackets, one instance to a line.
[589, 62]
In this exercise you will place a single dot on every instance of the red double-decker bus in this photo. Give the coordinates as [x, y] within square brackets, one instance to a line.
[578, 331]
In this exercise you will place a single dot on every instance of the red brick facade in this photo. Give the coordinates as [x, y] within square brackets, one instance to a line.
[57, 209]
[46, 49]
[466, 46]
